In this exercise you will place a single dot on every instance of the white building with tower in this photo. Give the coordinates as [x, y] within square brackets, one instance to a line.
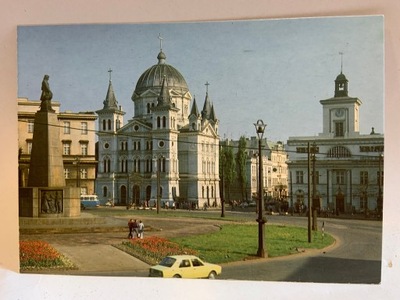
[348, 165]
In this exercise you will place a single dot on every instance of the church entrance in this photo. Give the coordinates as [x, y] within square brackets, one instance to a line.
[136, 194]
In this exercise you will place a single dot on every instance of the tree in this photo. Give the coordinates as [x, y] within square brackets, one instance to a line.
[241, 157]
[227, 161]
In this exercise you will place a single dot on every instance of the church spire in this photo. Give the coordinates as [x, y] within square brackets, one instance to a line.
[111, 100]
[163, 98]
[195, 110]
[206, 112]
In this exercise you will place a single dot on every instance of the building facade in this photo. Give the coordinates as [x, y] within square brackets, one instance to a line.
[167, 146]
[345, 169]
[77, 133]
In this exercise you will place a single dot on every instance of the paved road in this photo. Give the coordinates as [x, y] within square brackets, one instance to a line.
[356, 257]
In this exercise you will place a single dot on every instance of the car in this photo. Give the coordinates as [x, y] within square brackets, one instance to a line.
[185, 266]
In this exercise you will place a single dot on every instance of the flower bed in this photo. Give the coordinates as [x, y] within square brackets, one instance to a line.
[41, 255]
[153, 249]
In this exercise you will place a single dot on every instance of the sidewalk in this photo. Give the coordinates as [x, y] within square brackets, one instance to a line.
[92, 251]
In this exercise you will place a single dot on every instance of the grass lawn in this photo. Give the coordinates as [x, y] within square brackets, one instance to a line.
[236, 242]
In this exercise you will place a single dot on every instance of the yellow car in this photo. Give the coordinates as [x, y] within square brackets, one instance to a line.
[184, 266]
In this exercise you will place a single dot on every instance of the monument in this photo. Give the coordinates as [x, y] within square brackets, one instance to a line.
[46, 194]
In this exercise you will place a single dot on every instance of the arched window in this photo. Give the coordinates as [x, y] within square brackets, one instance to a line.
[164, 122]
[104, 125]
[109, 124]
[148, 108]
[158, 122]
[105, 191]
[106, 165]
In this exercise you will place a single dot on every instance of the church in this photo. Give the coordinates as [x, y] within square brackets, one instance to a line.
[168, 147]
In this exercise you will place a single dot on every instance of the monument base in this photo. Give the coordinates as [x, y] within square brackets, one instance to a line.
[46, 202]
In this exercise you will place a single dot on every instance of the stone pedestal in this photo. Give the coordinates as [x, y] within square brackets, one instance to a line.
[49, 202]
[46, 166]
[47, 196]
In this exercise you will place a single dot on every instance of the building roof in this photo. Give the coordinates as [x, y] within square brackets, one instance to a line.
[153, 77]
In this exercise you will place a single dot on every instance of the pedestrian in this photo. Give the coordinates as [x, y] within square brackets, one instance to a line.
[140, 229]
[135, 229]
[130, 226]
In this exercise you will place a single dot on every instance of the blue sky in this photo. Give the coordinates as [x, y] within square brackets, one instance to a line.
[274, 70]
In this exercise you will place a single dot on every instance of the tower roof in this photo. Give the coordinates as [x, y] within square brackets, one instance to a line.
[111, 101]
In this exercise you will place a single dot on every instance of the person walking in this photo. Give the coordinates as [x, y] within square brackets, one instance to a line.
[130, 226]
[140, 229]
[135, 229]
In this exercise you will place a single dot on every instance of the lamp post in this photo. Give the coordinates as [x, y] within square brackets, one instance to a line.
[222, 157]
[78, 177]
[260, 127]
[113, 187]
[161, 157]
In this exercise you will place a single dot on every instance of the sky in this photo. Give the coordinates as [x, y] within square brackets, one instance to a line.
[273, 70]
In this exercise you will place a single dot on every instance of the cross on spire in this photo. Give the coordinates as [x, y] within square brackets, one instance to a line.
[110, 71]
[207, 84]
[161, 39]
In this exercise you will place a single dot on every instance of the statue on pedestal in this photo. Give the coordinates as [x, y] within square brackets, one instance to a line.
[46, 96]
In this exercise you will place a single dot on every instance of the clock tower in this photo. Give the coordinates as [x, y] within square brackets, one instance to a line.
[340, 113]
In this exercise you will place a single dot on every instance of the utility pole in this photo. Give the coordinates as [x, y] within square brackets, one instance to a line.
[314, 190]
[309, 192]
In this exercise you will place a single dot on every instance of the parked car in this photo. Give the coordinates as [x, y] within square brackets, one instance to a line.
[185, 266]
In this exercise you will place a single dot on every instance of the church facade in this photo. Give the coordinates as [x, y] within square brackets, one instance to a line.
[345, 167]
[169, 146]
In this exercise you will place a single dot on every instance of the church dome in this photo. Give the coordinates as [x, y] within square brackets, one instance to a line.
[153, 77]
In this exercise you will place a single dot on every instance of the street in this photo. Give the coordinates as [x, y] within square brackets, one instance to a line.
[354, 258]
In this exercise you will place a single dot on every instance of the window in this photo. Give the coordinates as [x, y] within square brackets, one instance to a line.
[124, 145]
[339, 129]
[67, 127]
[84, 128]
[66, 173]
[158, 122]
[84, 149]
[84, 174]
[29, 146]
[184, 264]
[84, 190]
[299, 177]
[104, 125]
[164, 122]
[364, 177]
[66, 148]
[109, 124]
[105, 191]
[196, 263]
[30, 126]
[124, 165]
[339, 151]
[106, 165]
[340, 177]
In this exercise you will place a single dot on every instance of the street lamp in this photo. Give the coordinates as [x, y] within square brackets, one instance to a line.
[78, 177]
[159, 163]
[222, 157]
[260, 127]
